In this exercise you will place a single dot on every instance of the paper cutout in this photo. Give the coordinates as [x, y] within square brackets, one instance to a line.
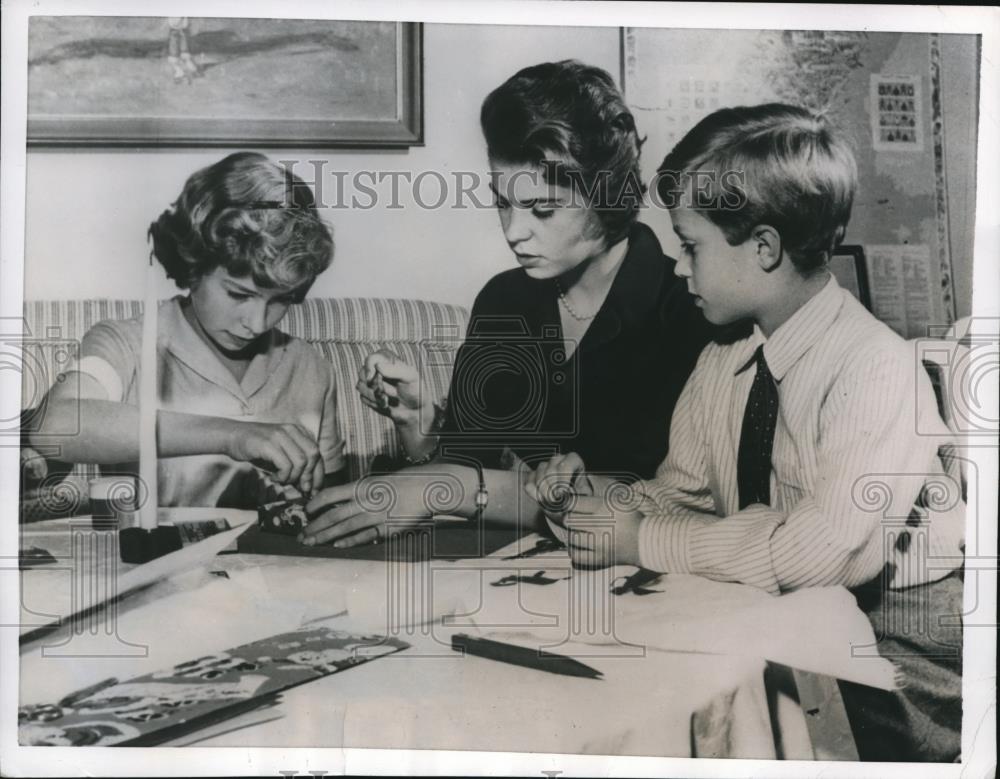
[156, 707]
[538, 577]
[543, 545]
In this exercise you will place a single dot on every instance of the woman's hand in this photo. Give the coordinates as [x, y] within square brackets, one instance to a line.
[391, 387]
[358, 513]
[555, 484]
[287, 451]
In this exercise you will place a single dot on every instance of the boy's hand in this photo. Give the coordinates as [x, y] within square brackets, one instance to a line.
[601, 535]
[286, 451]
[339, 517]
[390, 387]
[555, 482]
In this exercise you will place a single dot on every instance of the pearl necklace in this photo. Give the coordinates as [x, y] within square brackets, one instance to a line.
[569, 308]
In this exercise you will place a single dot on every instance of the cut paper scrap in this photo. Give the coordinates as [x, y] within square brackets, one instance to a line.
[198, 692]
[532, 551]
[51, 590]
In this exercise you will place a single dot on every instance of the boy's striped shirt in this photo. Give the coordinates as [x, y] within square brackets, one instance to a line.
[854, 486]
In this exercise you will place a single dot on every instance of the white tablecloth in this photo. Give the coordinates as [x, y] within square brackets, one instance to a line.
[649, 702]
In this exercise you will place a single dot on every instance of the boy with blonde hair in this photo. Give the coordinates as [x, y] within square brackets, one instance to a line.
[778, 439]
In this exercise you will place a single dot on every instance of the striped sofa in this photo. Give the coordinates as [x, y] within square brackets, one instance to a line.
[344, 330]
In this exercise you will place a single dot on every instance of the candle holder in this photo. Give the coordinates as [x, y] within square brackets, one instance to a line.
[139, 545]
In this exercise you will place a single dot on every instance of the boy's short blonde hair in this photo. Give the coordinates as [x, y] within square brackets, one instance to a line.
[248, 215]
[772, 164]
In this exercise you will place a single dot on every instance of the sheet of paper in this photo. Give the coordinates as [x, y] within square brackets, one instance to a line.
[130, 642]
[817, 629]
[60, 587]
[902, 286]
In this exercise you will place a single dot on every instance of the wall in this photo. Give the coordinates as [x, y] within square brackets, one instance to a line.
[88, 210]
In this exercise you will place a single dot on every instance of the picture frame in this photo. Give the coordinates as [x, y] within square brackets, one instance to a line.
[849, 266]
[106, 81]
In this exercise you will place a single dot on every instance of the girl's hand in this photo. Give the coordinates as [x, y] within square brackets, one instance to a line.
[601, 534]
[555, 484]
[287, 451]
[391, 387]
[33, 466]
[352, 514]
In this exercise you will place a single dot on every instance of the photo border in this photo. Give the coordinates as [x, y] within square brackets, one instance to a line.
[979, 684]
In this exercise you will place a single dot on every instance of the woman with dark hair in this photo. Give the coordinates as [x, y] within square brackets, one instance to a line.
[584, 347]
[235, 394]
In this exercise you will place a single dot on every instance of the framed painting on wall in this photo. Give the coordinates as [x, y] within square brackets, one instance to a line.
[180, 81]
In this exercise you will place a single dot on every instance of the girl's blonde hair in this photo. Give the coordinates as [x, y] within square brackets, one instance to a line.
[248, 215]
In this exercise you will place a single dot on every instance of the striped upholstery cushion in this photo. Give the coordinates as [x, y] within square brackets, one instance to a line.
[344, 330]
[361, 320]
[367, 433]
[52, 334]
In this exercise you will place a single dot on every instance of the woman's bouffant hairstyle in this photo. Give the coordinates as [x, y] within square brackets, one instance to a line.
[570, 118]
[248, 215]
[772, 164]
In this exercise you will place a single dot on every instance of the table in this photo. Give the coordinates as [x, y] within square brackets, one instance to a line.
[649, 703]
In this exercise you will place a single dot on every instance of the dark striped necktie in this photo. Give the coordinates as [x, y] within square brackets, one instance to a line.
[753, 464]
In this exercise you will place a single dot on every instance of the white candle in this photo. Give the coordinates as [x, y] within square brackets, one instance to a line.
[148, 402]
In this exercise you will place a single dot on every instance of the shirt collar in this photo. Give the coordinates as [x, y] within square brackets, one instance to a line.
[798, 334]
[177, 336]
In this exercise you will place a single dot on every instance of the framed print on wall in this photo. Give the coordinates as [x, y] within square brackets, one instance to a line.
[187, 81]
